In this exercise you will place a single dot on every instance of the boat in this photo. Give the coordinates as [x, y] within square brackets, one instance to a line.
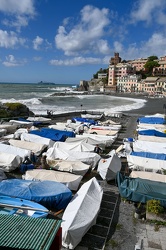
[105, 127]
[35, 147]
[149, 176]
[89, 140]
[74, 167]
[10, 128]
[106, 139]
[53, 134]
[50, 194]
[39, 119]
[23, 153]
[79, 146]
[108, 167]
[141, 190]
[16, 206]
[89, 158]
[92, 116]
[72, 181]
[81, 213]
[148, 146]
[9, 162]
[102, 131]
[36, 138]
[147, 161]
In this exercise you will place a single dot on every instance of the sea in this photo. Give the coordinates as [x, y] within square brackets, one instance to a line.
[63, 98]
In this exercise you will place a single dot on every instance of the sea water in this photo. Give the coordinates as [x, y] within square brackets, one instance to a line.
[40, 97]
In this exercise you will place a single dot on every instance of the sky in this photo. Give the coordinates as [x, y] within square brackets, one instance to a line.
[65, 41]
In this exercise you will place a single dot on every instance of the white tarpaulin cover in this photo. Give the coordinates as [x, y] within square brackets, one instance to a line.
[108, 140]
[60, 127]
[74, 167]
[39, 119]
[148, 146]
[9, 162]
[145, 164]
[36, 138]
[105, 127]
[72, 181]
[86, 157]
[75, 146]
[107, 168]
[81, 213]
[148, 175]
[9, 127]
[151, 138]
[14, 150]
[102, 131]
[35, 147]
[87, 139]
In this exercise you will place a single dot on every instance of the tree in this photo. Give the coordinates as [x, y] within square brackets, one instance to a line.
[150, 64]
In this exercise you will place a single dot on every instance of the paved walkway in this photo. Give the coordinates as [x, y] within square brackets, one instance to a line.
[150, 239]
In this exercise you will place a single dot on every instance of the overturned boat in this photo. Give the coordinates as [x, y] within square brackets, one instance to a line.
[81, 213]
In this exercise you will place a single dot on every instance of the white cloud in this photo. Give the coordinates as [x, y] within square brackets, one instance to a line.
[86, 35]
[118, 46]
[10, 39]
[37, 42]
[17, 7]
[12, 62]
[154, 46]
[148, 11]
[17, 12]
[76, 61]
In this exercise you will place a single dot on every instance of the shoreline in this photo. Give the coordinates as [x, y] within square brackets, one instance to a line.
[152, 106]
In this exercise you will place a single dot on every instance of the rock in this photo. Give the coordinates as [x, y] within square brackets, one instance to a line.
[9, 110]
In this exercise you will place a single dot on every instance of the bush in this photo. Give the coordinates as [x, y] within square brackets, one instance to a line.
[154, 206]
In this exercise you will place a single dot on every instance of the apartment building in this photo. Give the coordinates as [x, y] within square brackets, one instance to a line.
[118, 71]
[129, 83]
[138, 63]
[161, 70]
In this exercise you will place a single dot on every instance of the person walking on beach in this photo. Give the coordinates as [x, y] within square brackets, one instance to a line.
[97, 149]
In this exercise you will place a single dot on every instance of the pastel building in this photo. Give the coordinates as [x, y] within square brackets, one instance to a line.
[118, 71]
[129, 83]
[138, 63]
[161, 70]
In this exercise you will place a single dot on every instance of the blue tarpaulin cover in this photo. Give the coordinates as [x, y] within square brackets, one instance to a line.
[80, 119]
[50, 194]
[141, 190]
[151, 120]
[53, 134]
[152, 132]
[150, 155]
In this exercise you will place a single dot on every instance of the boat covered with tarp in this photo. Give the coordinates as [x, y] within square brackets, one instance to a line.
[50, 194]
[152, 132]
[108, 167]
[81, 213]
[141, 190]
[53, 134]
[146, 161]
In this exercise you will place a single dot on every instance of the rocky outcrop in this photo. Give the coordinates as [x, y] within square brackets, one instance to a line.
[8, 110]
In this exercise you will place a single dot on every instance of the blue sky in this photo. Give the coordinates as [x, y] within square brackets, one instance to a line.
[65, 41]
